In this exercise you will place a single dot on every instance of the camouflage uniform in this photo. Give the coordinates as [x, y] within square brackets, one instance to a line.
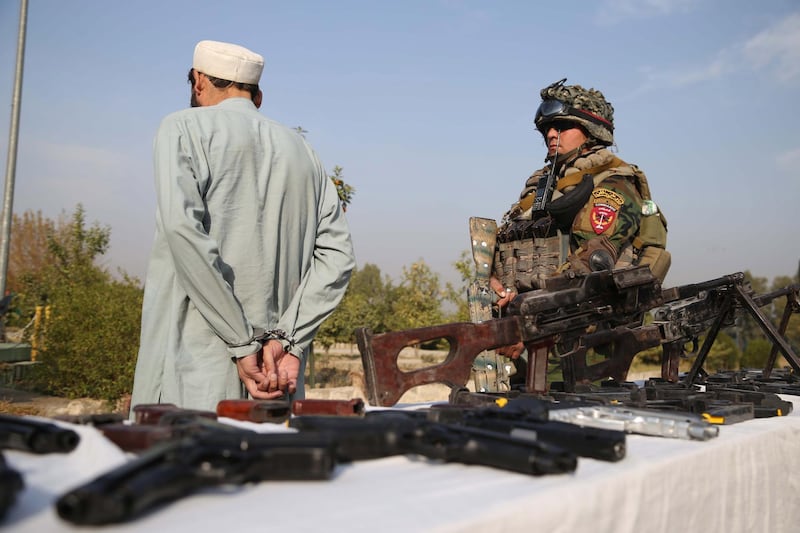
[600, 202]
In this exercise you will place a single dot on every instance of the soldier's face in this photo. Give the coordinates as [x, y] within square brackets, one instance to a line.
[563, 137]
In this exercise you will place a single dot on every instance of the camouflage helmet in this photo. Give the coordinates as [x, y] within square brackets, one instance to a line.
[588, 107]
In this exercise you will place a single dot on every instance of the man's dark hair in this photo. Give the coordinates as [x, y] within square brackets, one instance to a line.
[221, 84]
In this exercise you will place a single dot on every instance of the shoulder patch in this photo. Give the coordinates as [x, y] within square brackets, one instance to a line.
[605, 206]
[603, 194]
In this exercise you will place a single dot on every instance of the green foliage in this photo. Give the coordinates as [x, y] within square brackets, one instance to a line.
[374, 302]
[777, 310]
[724, 354]
[756, 353]
[344, 190]
[416, 302]
[87, 346]
[650, 356]
[365, 304]
[457, 296]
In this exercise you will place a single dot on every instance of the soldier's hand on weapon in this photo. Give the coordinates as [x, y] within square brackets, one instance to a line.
[504, 294]
[513, 350]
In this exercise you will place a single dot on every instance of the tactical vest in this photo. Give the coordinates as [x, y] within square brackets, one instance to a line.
[533, 246]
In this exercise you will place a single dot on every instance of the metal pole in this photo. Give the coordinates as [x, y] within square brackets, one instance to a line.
[11, 163]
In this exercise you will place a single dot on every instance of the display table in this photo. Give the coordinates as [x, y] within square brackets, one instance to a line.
[744, 480]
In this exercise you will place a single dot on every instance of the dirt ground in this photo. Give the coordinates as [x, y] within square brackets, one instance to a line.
[14, 401]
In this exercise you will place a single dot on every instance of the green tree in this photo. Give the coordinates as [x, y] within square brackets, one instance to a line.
[344, 190]
[776, 312]
[365, 304]
[27, 254]
[457, 295]
[756, 354]
[417, 301]
[87, 345]
[746, 328]
[751, 340]
[723, 355]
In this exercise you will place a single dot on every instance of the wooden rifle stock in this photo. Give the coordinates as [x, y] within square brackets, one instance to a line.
[379, 353]
[317, 406]
[155, 423]
[275, 411]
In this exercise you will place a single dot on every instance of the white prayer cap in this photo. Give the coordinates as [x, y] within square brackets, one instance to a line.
[228, 62]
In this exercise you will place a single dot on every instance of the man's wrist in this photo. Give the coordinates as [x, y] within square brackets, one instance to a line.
[281, 336]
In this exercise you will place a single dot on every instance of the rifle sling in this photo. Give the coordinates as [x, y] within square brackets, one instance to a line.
[571, 180]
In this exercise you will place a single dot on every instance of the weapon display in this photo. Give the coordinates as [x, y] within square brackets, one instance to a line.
[528, 418]
[34, 436]
[181, 451]
[390, 432]
[595, 411]
[175, 468]
[779, 381]
[715, 401]
[641, 421]
[602, 310]
[156, 423]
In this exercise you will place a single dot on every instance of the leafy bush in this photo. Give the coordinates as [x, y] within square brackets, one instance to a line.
[88, 337]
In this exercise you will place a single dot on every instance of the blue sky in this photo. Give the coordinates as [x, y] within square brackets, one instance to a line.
[428, 108]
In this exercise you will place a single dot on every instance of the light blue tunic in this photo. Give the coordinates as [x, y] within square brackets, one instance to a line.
[249, 233]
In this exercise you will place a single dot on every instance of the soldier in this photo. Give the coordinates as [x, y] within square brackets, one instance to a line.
[586, 210]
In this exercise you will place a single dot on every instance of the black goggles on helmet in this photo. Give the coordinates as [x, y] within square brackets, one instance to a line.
[550, 110]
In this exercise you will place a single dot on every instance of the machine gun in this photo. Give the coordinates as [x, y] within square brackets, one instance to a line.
[692, 309]
[574, 312]
[602, 310]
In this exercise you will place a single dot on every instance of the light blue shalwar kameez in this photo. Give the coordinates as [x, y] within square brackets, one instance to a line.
[250, 234]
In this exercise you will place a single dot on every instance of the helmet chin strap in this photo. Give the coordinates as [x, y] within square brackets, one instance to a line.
[560, 159]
